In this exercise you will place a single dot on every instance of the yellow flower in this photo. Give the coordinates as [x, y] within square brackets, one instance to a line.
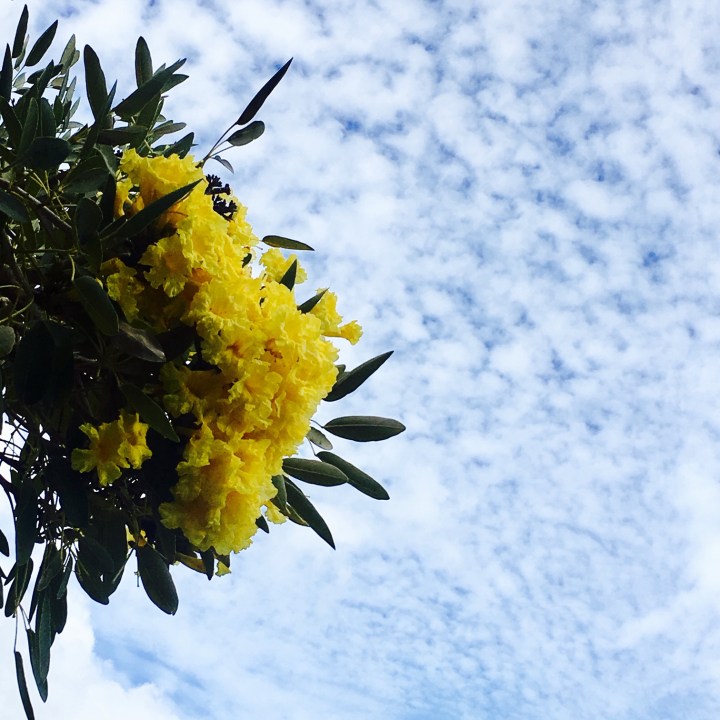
[327, 312]
[123, 286]
[276, 265]
[113, 447]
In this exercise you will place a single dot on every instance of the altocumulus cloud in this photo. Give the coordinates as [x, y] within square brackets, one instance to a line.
[521, 198]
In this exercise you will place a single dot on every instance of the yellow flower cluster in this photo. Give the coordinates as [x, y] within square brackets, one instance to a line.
[113, 446]
[271, 363]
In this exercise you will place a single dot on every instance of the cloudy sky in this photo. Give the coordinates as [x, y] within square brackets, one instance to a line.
[521, 198]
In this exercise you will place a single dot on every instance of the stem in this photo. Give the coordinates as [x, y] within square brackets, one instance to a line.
[37, 204]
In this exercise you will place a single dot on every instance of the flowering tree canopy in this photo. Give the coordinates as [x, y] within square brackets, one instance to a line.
[158, 370]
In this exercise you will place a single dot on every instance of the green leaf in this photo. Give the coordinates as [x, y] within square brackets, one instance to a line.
[149, 411]
[29, 125]
[43, 637]
[35, 664]
[62, 587]
[31, 365]
[156, 579]
[208, 560]
[143, 62]
[314, 472]
[95, 84]
[247, 134]
[69, 55]
[137, 99]
[280, 500]
[167, 128]
[86, 220]
[67, 483]
[140, 344]
[257, 102]
[41, 45]
[357, 478]
[26, 513]
[97, 304]
[261, 522]
[94, 557]
[138, 222]
[225, 163]
[130, 135]
[22, 687]
[20, 33]
[364, 428]
[46, 153]
[92, 584]
[89, 175]
[4, 547]
[282, 242]
[182, 147]
[12, 124]
[308, 305]
[306, 510]
[288, 279]
[6, 75]
[18, 587]
[50, 567]
[350, 381]
[13, 207]
[46, 127]
[317, 438]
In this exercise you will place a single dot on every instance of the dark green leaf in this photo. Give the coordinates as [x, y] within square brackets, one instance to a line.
[308, 305]
[89, 175]
[86, 220]
[20, 33]
[247, 134]
[123, 135]
[315, 472]
[18, 586]
[282, 242]
[59, 612]
[12, 124]
[364, 428]
[167, 128]
[94, 557]
[306, 510]
[50, 567]
[317, 438]
[280, 500]
[26, 513]
[22, 687]
[224, 163]
[288, 279]
[43, 638]
[95, 84]
[6, 75]
[97, 304]
[357, 478]
[139, 343]
[69, 55]
[261, 522]
[182, 147]
[36, 664]
[208, 559]
[29, 125]
[69, 487]
[46, 126]
[4, 547]
[149, 411]
[41, 45]
[31, 365]
[62, 587]
[156, 579]
[46, 153]
[350, 381]
[137, 99]
[257, 102]
[143, 62]
[138, 222]
[92, 584]
[110, 531]
[13, 207]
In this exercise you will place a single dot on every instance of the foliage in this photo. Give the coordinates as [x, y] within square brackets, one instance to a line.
[157, 373]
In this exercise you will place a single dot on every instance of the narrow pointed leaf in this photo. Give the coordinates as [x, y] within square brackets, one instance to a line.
[41, 45]
[226, 164]
[13, 207]
[307, 512]
[149, 411]
[261, 522]
[308, 305]
[137, 223]
[97, 304]
[315, 472]
[352, 380]
[69, 54]
[6, 75]
[280, 500]
[143, 62]
[286, 243]
[364, 428]
[95, 84]
[156, 579]
[22, 687]
[257, 102]
[36, 664]
[247, 134]
[4, 547]
[138, 98]
[288, 279]
[140, 344]
[357, 478]
[182, 147]
[20, 33]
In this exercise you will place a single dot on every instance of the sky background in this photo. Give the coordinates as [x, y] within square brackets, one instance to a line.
[520, 198]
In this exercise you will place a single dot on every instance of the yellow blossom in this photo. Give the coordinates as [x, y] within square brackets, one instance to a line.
[326, 311]
[276, 265]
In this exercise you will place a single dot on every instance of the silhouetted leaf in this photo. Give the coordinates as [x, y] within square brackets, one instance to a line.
[280, 499]
[46, 153]
[257, 102]
[247, 134]
[6, 74]
[32, 364]
[308, 305]
[22, 687]
[357, 478]
[350, 381]
[282, 242]
[306, 510]
[288, 278]
[20, 33]
[156, 579]
[261, 522]
[41, 45]
[143, 62]
[364, 428]
[315, 472]
[95, 84]
[182, 147]
[223, 162]
[137, 99]
[4, 547]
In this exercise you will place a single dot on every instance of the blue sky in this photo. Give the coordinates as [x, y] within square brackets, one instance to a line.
[521, 199]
